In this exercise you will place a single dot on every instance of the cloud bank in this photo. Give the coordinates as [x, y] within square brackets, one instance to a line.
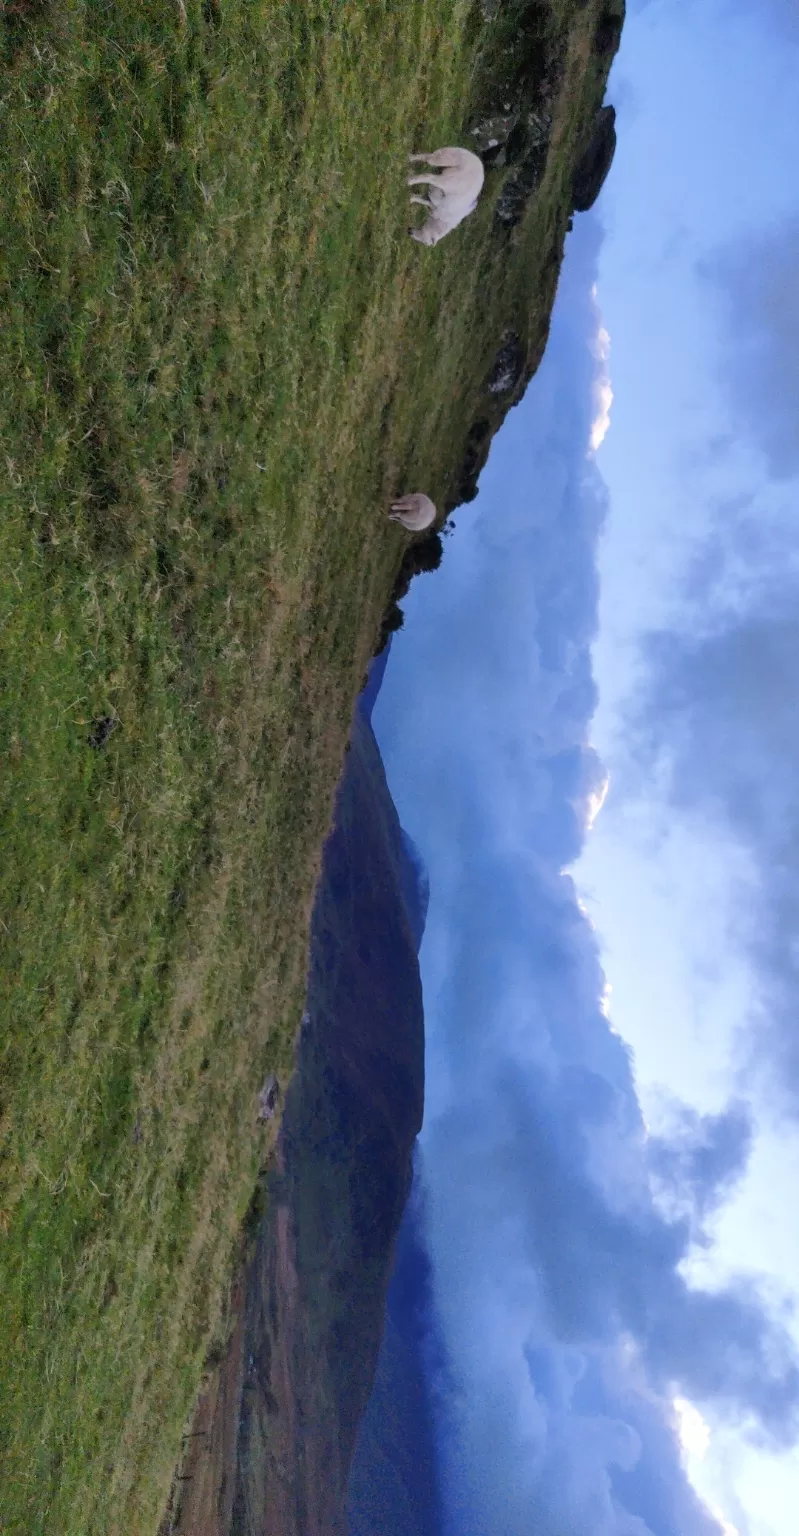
[558, 1230]
[716, 719]
[758, 281]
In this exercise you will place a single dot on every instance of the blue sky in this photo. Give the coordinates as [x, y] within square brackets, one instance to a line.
[610, 1173]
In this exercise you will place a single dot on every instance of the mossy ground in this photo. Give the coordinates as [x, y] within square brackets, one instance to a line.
[220, 356]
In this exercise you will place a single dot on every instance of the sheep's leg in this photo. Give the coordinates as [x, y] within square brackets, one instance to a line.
[441, 157]
[437, 193]
[424, 202]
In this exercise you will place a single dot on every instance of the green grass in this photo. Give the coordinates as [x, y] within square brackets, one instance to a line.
[220, 356]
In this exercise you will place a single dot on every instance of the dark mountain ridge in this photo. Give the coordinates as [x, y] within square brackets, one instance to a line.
[300, 1363]
[394, 1487]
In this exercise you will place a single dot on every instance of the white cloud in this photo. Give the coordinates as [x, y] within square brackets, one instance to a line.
[693, 1430]
[602, 389]
[558, 1282]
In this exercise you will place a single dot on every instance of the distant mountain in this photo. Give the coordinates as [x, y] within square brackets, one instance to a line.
[301, 1361]
[316, 1301]
[394, 1486]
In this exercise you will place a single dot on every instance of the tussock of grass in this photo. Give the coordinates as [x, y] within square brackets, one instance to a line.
[220, 357]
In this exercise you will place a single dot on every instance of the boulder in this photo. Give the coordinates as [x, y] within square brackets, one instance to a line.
[508, 365]
[267, 1099]
[595, 161]
[527, 147]
[609, 28]
[478, 444]
[491, 135]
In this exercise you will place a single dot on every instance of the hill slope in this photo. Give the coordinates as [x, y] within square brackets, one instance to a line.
[220, 357]
[270, 1450]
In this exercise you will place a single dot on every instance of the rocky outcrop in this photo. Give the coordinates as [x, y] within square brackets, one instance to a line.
[609, 29]
[527, 148]
[490, 136]
[595, 161]
[424, 554]
[478, 444]
[508, 365]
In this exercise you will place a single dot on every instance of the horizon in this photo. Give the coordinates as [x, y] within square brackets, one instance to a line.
[610, 1105]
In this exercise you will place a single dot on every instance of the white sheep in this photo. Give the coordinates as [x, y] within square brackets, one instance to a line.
[441, 221]
[415, 511]
[453, 192]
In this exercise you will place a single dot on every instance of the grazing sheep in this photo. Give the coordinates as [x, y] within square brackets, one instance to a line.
[415, 511]
[460, 172]
[440, 222]
[453, 192]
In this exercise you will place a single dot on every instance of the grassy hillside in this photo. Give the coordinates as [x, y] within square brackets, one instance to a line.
[220, 356]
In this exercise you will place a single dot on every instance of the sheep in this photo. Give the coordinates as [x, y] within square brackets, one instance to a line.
[446, 204]
[461, 173]
[453, 192]
[440, 222]
[415, 511]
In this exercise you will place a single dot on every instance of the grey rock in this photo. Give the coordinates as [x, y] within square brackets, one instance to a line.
[508, 365]
[526, 148]
[609, 27]
[267, 1099]
[595, 162]
[491, 135]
